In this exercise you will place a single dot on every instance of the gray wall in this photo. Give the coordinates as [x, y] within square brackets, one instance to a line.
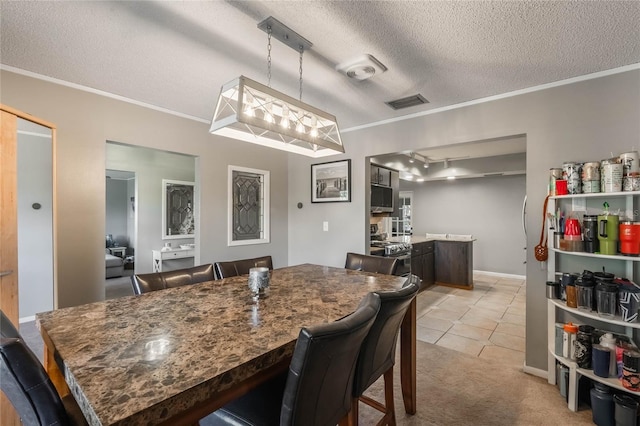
[489, 208]
[35, 227]
[116, 213]
[581, 121]
[84, 122]
[150, 167]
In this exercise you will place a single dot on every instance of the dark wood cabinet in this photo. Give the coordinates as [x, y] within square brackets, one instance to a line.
[380, 175]
[454, 263]
[422, 262]
[428, 267]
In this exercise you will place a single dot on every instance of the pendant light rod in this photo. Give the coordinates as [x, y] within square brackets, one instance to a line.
[285, 34]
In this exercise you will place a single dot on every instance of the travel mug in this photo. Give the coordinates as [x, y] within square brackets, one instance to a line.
[631, 370]
[626, 410]
[572, 300]
[607, 299]
[629, 302]
[600, 359]
[584, 346]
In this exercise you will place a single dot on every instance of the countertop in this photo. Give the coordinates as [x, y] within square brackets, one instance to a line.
[415, 239]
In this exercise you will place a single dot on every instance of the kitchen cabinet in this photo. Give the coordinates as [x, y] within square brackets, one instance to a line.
[380, 175]
[422, 262]
[568, 261]
[454, 263]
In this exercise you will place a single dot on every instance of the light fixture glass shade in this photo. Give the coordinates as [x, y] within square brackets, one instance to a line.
[252, 112]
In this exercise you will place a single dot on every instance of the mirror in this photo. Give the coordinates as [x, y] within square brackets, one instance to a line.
[177, 209]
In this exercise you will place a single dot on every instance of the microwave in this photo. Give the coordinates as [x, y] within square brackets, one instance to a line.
[381, 199]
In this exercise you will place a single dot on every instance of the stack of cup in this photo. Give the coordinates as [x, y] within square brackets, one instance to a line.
[630, 171]
[591, 177]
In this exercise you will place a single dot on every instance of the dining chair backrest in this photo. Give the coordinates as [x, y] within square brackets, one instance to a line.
[368, 263]
[379, 347]
[25, 383]
[7, 329]
[145, 283]
[235, 268]
[319, 385]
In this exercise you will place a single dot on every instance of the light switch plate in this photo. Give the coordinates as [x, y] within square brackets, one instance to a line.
[325, 226]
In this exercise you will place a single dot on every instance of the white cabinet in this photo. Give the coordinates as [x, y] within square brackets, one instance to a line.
[560, 260]
[162, 257]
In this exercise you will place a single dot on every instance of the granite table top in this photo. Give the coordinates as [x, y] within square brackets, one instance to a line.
[144, 359]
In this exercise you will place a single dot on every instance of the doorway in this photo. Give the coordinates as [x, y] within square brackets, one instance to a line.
[27, 224]
[120, 232]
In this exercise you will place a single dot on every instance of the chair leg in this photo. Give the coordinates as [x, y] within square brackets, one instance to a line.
[388, 397]
[352, 417]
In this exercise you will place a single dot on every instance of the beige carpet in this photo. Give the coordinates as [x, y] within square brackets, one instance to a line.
[454, 388]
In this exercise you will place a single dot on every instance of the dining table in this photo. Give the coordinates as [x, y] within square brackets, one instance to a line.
[175, 355]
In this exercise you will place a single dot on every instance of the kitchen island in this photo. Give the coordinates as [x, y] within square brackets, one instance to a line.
[443, 259]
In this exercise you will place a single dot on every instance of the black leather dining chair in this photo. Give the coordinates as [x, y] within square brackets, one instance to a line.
[144, 283]
[317, 391]
[235, 268]
[368, 263]
[28, 387]
[377, 355]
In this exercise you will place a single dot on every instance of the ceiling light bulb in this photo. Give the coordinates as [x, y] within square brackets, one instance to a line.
[268, 116]
[248, 101]
[314, 127]
[285, 117]
[451, 177]
[426, 164]
[411, 158]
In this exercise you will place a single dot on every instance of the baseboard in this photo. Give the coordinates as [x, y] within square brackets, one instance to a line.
[27, 319]
[534, 371]
[500, 274]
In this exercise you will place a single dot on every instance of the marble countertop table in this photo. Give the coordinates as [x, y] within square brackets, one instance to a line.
[175, 355]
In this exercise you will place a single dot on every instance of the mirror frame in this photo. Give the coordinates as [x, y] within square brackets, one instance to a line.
[166, 183]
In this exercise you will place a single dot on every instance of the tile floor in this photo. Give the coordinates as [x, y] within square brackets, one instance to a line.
[487, 322]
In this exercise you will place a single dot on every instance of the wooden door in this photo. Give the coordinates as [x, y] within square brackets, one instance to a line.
[8, 238]
[9, 228]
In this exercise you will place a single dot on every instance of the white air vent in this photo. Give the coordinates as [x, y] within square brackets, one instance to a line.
[361, 68]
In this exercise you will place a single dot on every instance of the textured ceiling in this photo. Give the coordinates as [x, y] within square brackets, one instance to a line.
[176, 55]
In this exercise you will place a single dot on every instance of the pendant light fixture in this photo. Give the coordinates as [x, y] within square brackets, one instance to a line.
[252, 112]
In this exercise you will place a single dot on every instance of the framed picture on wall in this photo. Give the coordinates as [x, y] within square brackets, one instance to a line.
[331, 182]
[177, 209]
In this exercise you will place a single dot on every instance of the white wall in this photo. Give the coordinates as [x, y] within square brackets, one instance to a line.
[583, 121]
[35, 226]
[488, 208]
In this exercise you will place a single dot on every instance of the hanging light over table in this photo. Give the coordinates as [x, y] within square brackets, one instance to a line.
[253, 112]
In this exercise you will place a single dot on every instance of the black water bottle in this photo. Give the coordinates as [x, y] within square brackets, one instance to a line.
[583, 346]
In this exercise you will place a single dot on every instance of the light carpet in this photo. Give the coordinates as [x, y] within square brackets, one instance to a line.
[454, 388]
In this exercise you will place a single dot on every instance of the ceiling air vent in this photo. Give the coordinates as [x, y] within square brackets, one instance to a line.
[407, 102]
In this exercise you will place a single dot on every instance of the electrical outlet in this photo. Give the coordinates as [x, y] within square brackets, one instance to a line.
[325, 226]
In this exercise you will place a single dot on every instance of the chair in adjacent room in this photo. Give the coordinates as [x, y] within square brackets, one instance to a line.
[317, 391]
[377, 355]
[28, 387]
[144, 283]
[235, 268]
[368, 263]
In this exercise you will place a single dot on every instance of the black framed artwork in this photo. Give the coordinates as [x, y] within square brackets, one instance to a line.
[331, 182]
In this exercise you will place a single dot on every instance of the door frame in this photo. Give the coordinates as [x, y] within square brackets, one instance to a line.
[14, 316]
